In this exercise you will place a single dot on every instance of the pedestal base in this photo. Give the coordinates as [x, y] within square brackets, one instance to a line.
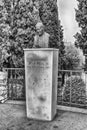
[41, 67]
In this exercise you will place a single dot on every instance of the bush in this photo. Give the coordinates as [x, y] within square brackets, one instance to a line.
[78, 90]
[73, 58]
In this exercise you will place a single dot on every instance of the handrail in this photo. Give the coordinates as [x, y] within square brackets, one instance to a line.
[72, 70]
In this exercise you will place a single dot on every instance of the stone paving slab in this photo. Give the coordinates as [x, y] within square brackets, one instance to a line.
[13, 117]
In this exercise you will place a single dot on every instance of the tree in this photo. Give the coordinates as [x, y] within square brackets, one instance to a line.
[49, 16]
[81, 18]
[18, 20]
[72, 58]
[61, 49]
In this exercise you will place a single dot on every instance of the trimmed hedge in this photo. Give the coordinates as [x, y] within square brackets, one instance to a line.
[78, 90]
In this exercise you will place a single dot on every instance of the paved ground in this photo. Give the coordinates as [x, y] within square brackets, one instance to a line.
[13, 117]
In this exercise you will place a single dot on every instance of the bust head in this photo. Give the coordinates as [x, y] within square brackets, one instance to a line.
[40, 28]
[42, 38]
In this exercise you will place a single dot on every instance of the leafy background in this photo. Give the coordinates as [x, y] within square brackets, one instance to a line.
[17, 28]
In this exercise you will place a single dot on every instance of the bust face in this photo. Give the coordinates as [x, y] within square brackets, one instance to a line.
[40, 30]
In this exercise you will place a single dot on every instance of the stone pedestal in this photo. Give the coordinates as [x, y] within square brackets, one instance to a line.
[3, 86]
[41, 71]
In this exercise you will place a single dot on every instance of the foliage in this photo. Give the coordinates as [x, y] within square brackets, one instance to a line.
[77, 87]
[17, 27]
[72, 58]
[49, 16]
[61, 50]
[81, 18]
[21, 29]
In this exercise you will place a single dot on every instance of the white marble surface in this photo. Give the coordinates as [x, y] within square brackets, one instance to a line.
[40, 78]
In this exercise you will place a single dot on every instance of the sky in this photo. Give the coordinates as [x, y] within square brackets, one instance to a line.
[66, 10]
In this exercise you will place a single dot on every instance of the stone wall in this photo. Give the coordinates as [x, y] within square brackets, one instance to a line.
[3, 86]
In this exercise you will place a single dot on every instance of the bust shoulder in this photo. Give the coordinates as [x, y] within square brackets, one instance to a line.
[46, 34]
[35, 37]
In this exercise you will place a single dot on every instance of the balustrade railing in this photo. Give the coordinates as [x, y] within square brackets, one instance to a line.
[15, 83]
[72, 88]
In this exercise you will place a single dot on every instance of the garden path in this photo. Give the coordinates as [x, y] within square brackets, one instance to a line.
[13, 117]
